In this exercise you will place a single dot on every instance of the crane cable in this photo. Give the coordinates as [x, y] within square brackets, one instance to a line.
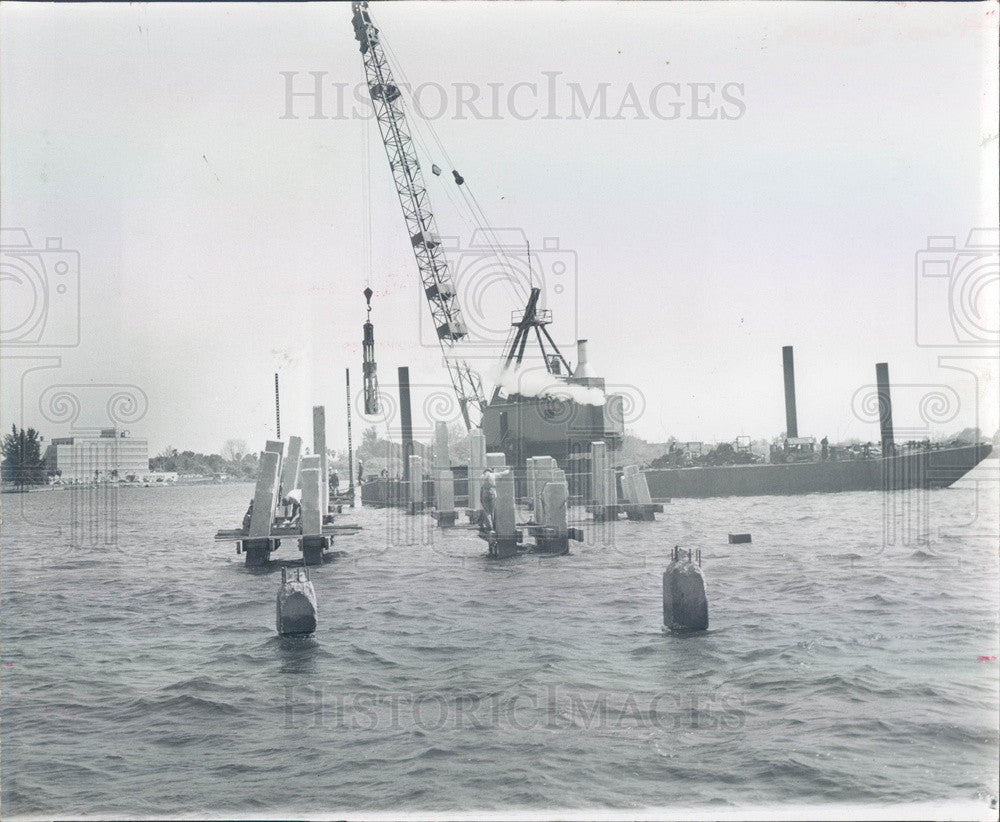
[472, 203]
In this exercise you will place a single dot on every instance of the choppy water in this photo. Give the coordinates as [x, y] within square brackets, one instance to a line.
[145, 677]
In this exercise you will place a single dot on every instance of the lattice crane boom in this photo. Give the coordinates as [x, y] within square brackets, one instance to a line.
[431, 261]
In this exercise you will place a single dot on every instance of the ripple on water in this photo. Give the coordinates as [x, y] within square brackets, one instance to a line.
[838, 668]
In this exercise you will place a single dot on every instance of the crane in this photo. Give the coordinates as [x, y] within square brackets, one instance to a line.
[435, 276]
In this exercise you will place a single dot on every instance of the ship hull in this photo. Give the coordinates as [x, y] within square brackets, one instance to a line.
[921, 469]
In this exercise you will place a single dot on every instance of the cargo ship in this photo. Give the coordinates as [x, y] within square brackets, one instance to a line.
[930, 468]
[797, 467]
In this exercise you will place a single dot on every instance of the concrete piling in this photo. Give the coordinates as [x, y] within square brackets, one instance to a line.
[312, 517]
[556, 498]
[503, 540]
[313, 543]
[604, 496]
[685, 603]
[553, 536]
[290, 465]
[264, 495]
[415, 485]
[530, 480]
[296, 609]
[545, 468]
[640, 504]
[319, 449]
[598, 473]
[477, 462]
[442, 459]
[638, 486]
[257, 549]
[627, 488]
[444, 497]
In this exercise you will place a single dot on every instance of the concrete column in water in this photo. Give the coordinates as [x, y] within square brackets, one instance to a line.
[442, 459]
[312, 517]
[477, 462]
[545, 468]
[313, 543]
[276, 447]
[627, 489]
[319, 449]
[504, 517]
[444, 496]
[530, 479]
[415, 485]
[290, 465]
[556, 498]
[445, 490]
[611, 486]
[599, 474]
[637, 487]
[685, 603]
[264, 495]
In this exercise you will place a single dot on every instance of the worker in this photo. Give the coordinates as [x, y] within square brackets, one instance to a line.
[293, 506]
[488, 498]
[361, 471]
[825, 443]
[335, 482]
[247, 517]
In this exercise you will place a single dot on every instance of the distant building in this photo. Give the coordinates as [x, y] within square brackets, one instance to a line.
[109, 456]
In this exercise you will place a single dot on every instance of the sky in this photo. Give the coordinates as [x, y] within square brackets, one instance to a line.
[757, 175]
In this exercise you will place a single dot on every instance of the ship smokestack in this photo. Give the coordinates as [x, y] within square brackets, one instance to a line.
[884, 408]
[583, 369]
[791, 422]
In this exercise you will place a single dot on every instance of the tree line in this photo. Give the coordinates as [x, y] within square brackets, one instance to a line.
[23, 463]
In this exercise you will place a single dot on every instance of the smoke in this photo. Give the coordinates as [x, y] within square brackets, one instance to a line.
[537, 383]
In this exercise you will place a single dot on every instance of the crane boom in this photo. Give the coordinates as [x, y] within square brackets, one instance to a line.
[435, 277]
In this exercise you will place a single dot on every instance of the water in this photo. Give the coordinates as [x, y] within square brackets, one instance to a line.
[145, 676]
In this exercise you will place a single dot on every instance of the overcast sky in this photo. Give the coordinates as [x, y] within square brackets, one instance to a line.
[220, 240]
